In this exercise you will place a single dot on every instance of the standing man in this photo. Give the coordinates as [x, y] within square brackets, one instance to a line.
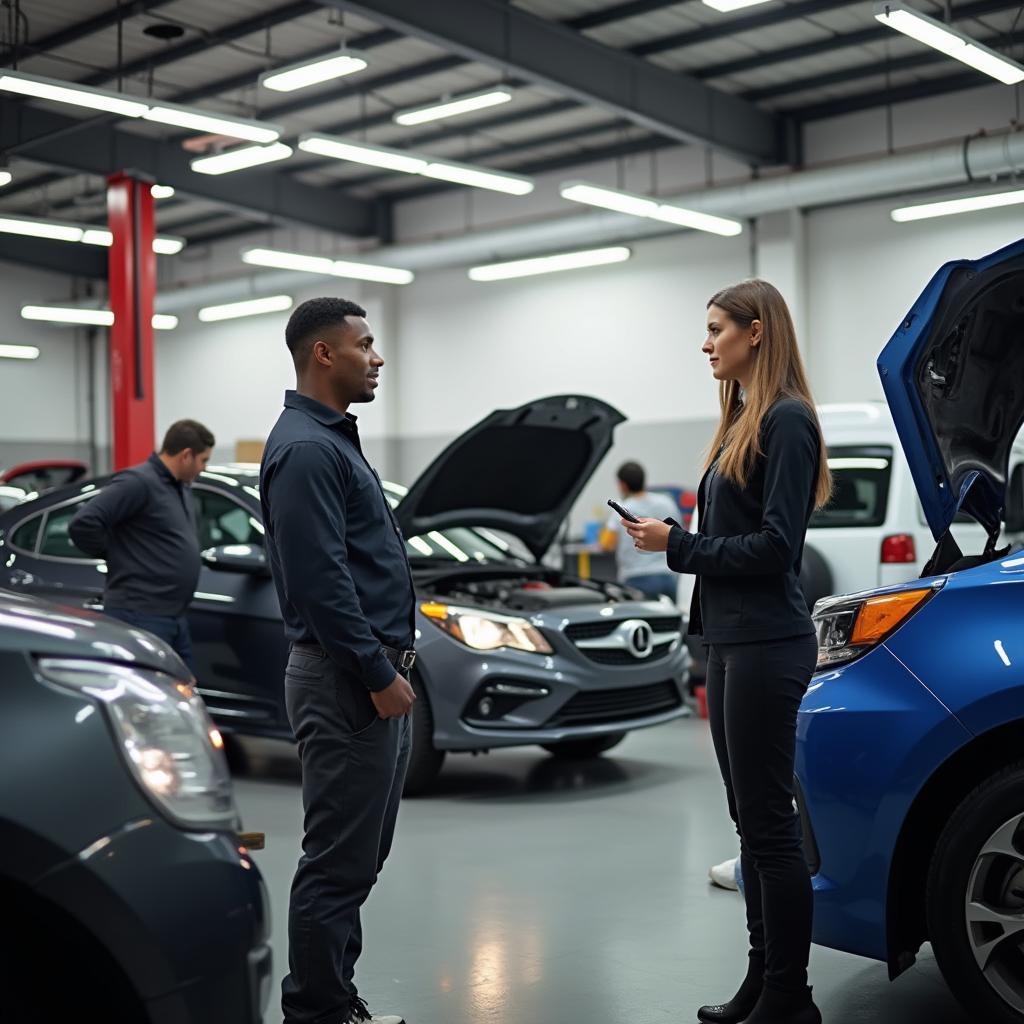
[346, 592]
[637, 568]
[144, 524]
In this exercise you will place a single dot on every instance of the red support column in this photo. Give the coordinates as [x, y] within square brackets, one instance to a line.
[132, 287]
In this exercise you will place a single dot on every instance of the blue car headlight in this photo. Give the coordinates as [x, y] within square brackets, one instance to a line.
[848, 627]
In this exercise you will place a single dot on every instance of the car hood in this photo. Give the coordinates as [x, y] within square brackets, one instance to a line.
[518, 470]
[39, 627]
[952, 375]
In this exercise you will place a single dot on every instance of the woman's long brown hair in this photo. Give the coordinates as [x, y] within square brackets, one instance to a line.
[778, 373]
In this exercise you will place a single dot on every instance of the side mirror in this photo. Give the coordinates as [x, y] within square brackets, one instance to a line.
[1015, 500]
[247, 558]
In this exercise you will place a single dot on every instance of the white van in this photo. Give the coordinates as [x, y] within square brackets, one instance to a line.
[873, 531]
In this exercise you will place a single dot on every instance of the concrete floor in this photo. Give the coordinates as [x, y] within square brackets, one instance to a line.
[532, 891]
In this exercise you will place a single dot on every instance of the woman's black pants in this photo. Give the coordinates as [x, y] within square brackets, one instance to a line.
[753, 692]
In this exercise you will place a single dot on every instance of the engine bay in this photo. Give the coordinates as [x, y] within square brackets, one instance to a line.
[535, 591]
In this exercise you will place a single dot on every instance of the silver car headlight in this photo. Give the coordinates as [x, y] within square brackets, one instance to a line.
[486, 631]
[165, 733]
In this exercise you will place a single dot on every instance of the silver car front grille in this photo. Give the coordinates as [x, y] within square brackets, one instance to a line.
[633, 641]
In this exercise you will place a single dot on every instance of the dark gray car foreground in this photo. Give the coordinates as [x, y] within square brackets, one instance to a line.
[511, 652]
[125, 893]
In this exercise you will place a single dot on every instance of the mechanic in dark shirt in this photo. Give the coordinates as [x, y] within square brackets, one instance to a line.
[143, 523]
[767, 472]
[345, 587]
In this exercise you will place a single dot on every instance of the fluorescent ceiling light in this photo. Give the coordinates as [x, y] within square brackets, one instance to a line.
[732, 5]
[313, 72]
[463, 174]
[88, 317]
[197, 120]
[609, 199]
[19, 352]
[5, 178]
[240, 159]
[249, 307]
[40, 229]
[550, 264]
[362, 153]
[325, 265]
[64, 232]
[161, 191]
[413, 163]
[68, 92]
[643, 206]
[949, 41]
[453, 107]
[951, 206]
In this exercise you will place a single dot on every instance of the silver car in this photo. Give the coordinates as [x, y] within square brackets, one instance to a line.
[512, 651]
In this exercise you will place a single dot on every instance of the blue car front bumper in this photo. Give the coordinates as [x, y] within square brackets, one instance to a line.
[869, 735]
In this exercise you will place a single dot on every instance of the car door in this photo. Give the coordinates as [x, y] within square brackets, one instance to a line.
[237, 635]
[48, 564]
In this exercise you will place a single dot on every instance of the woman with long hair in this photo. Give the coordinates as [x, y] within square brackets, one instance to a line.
[766, 472]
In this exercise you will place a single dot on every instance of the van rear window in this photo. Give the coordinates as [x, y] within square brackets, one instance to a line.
[860, 487]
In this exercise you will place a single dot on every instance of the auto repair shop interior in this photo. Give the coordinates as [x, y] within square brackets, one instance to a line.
[531, 203]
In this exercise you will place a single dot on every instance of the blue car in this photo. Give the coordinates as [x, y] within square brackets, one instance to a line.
[910, 740]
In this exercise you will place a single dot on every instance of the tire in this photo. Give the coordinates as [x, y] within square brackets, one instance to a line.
[581, 750]
[425, 759]
[236, 754]
[989, 819]
[815, 577]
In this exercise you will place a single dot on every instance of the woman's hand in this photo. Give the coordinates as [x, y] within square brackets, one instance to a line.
[648, 534]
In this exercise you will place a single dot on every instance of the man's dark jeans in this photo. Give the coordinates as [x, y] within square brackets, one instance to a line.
[172, 629]
[353, 770]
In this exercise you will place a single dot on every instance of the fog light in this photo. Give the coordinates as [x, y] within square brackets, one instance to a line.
[485, 707]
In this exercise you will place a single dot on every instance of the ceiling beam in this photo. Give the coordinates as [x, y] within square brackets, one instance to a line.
[884, 97]
[617, 12]
[103, 150]
[926, 58]
[550, 54]
[83, 29]
[731, 26]
[840, 41]
[57, 257]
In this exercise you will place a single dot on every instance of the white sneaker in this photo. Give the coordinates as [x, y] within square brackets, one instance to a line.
[724, 875]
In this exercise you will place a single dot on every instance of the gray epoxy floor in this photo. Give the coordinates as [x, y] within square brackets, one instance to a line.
[532, 891]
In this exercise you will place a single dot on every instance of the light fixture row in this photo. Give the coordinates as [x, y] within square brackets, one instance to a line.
[173, 114]
[87, 234]
[88, 317]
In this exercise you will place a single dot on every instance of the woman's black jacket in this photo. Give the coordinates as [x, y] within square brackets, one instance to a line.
[750, 540]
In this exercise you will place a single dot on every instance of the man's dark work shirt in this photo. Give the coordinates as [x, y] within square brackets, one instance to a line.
[336, 552]
[143, 523]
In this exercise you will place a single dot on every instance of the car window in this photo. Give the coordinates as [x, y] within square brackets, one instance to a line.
[224, 521]
[46, 478]
[25, 536]
[860, 487]
[56, 542]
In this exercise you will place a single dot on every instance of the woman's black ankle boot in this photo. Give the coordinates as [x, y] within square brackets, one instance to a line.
[742, 1004]
[776, 1007]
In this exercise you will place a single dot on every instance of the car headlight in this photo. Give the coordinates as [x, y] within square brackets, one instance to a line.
[486, 631]
[166, 735]
[849, 627]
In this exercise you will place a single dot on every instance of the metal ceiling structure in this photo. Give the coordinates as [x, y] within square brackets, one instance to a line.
[592, 79]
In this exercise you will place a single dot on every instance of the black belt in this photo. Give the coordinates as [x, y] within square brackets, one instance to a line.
[402, 660]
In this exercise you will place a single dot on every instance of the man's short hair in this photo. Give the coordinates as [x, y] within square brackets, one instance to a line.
[311, 317]
[632, 476]
[187, 434]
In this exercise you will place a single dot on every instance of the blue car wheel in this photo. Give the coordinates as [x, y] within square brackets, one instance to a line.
[976, 899]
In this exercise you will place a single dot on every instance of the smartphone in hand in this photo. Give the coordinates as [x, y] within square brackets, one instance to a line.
[623, 512]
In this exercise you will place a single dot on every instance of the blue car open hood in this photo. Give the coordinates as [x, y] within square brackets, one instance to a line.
[517, 470]
[953, 375]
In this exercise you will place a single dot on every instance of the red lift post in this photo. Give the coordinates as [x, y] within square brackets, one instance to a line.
[132, 288]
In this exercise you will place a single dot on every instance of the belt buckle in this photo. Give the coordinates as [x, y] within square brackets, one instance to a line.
[406, 660]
